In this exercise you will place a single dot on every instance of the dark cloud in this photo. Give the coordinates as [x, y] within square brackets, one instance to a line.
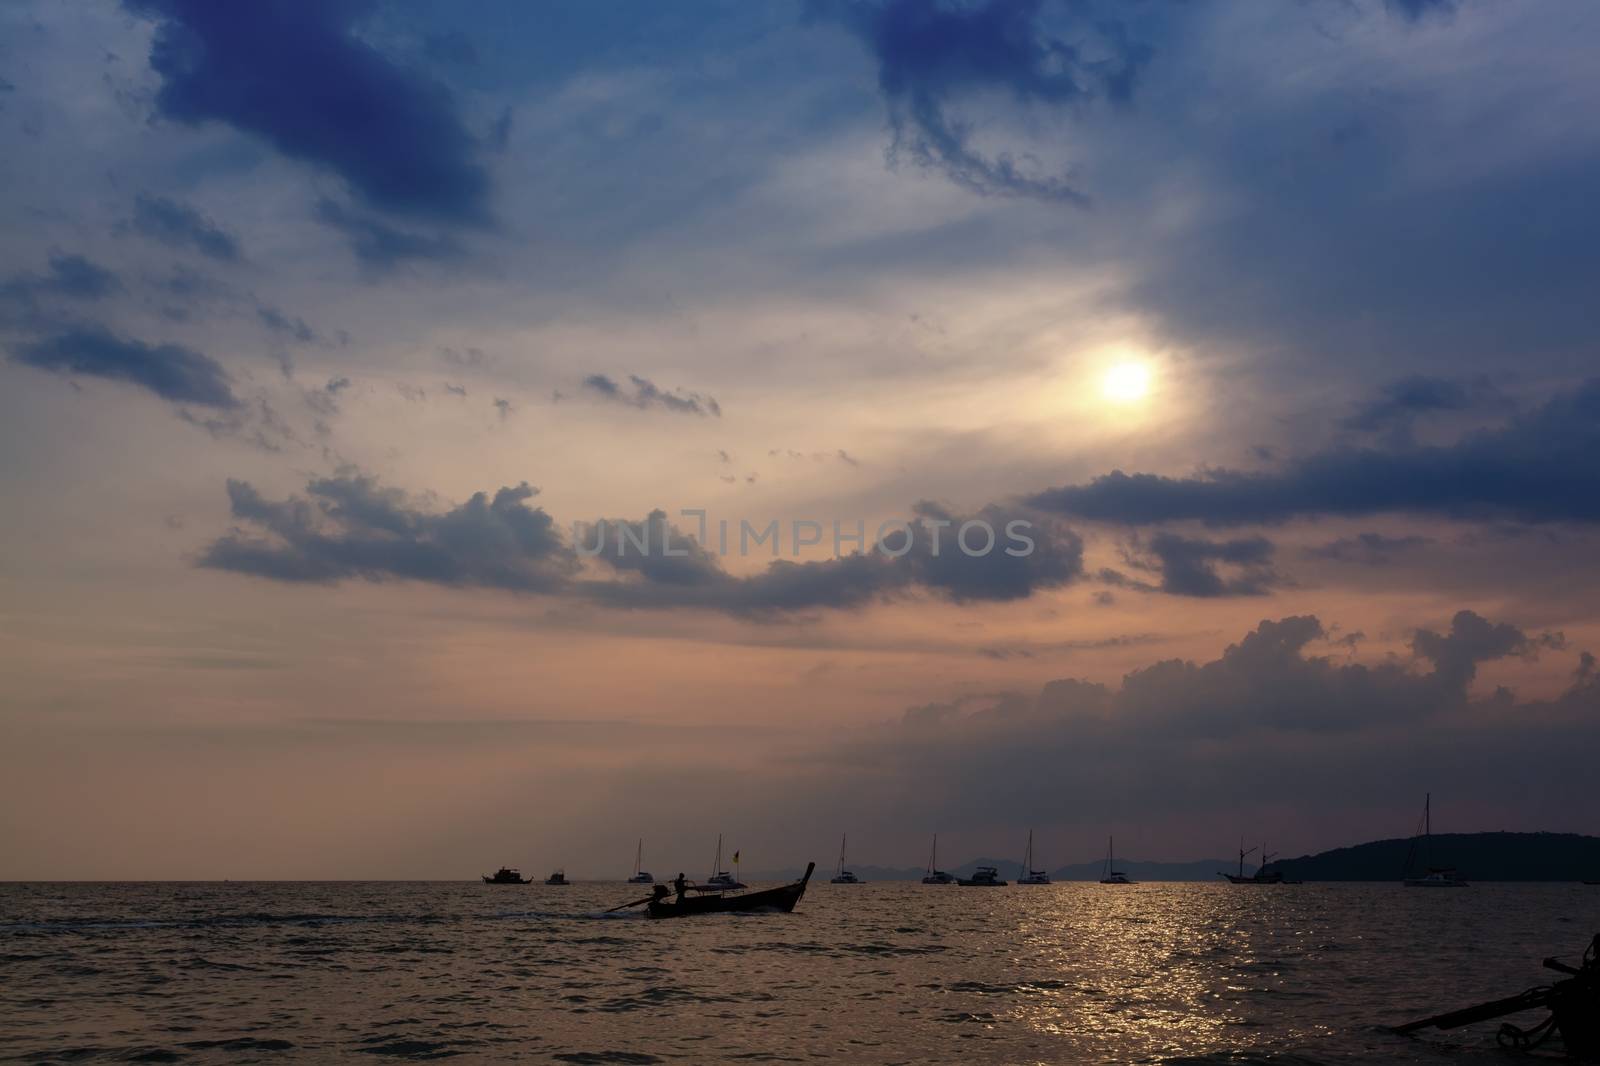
[1191, 566]
[1368, 549]
[349, 526]
[72, 276]
[168, 370]
[179, 225]
[285, 326]
[1472, 640]
[296, 74]
[645, 394]
[1415, 10]
[925, 554]
[381, 246]
[1542, 466]
[931, 55]
[1401, 402]
[1267, 713]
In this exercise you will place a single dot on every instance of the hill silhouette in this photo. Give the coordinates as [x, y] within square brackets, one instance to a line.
[1477, 856]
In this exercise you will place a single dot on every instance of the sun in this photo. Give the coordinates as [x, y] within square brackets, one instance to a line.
[1126, 382]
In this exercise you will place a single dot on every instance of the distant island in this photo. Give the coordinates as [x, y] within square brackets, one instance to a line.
[1478, 857]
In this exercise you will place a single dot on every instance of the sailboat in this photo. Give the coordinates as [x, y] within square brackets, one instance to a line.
[640, 875]
[1437, 876]
[843, 876]
[1113, 876]
[720, 878]
[936, 876]
[1261, 876]
[1028, 875]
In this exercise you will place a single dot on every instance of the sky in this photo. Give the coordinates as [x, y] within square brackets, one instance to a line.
[394, 397]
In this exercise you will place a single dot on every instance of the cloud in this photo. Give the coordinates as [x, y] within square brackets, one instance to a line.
[349, 526]
[1367, 549]
[168, 370]
[1401, 402]
[179, 225]
[1542, 466]
[381, 246]
[296, 74]
[922, 555]
[931, 54]
[254, 422]
[646, 394]
[1472, 640]
[72, 276]
[285, 326]
[1415, 10]
[1208, 736]
[1189, 565]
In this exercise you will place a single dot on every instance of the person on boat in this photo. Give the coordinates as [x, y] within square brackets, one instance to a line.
[659, 893]
[679, 886]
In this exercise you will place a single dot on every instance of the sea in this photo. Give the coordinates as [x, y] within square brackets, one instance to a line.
[373, 972]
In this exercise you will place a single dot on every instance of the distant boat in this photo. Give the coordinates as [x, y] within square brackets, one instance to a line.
[983, 877]
[1437, 876]
[776, 900]
[936, 876]
[1028, 875]
[557, 878]
[640, 876]
[843, 876]
[721, 879]
[1262, 876]
[1113, 876]
[507, 875]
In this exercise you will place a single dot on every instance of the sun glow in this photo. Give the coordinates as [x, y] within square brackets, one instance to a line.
[1126, 382]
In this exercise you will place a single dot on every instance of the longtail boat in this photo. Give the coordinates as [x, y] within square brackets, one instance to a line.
[772, 900]
[1573, 1003]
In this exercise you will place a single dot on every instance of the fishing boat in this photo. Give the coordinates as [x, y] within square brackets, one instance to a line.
[1573, 1003]
[557, 878]
[507, 875]
[768, 900]
[1262, 876]
[721, 879]
[936, 876]
[1112, 875]
[1028, 875]
[982, 877]
[843, 876]
[640, 875]
[1436, 876]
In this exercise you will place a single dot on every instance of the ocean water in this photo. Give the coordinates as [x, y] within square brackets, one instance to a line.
[875, 973]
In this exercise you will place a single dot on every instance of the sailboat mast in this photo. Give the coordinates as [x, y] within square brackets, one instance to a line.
[716, 867]
[933, 855]
[638, 857]
[842, 839]
[1427, 829]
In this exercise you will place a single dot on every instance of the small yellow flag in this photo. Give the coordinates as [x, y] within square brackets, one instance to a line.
[736, 856]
